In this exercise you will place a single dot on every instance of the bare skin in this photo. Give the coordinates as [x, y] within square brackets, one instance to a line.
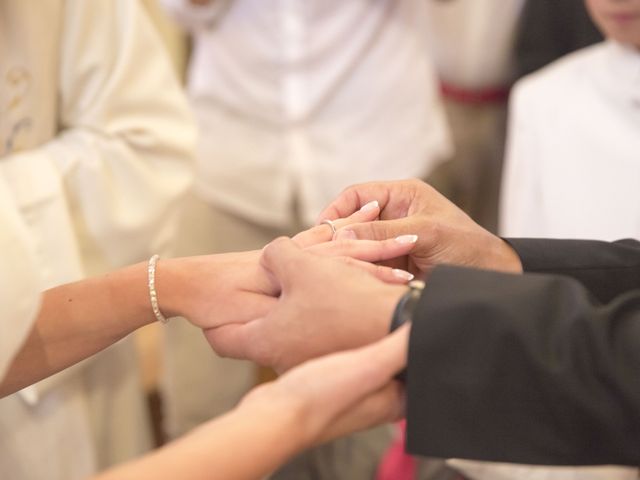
[618, 20]
[80, 319]
[313, 403]
[446, 235]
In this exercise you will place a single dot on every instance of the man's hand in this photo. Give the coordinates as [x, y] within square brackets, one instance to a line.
[446, 233]
[325, 305]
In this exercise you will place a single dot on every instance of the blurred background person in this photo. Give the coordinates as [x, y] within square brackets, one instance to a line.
[473, 46]
[572, 164]
[481, 48]
[96, 141]
[295, 100]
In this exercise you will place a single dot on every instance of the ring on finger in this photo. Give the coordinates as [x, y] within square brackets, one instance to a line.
[332, 225]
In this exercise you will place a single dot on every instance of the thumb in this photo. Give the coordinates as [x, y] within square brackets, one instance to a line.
[282, 258]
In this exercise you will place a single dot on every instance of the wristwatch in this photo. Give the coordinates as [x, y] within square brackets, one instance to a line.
[407, 304]
[404, 313]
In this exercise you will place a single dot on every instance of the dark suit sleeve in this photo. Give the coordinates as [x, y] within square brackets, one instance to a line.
[605, 269]
[526, 369]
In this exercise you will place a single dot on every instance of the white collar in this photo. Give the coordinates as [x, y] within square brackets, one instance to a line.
[624, 61]
[621, 67]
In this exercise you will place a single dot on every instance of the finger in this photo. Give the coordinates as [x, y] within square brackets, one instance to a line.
[383, 406]
[229, 341]
[241, 341]
[330, 386]
[367, 250]
[355, 375]
[369, 368]
[282, 258]
[381, 272]
[381, 230]
[354, 198]
[375, 365]
[324, 232]
[367, 213]
[387, 356]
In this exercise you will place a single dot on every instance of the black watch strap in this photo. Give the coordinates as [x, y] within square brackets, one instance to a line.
[406, 306]
[404, 313]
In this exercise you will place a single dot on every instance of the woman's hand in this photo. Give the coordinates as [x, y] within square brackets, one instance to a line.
[315, 402]
[341, 393]
[234, 288]
[325, 305]
[323, 232]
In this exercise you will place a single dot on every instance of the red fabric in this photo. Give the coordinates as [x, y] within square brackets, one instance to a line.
[395, 463]
[491, 95]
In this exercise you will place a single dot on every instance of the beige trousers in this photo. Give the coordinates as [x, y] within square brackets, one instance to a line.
[471, 177]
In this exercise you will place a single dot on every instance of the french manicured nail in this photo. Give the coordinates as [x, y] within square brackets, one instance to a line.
[370, 206]
[407, 239]
[346, 234]
[403, 274]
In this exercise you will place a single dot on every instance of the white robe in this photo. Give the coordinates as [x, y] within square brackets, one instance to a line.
[19, 280]
[573, 161]
[96, 140]
[573, 171]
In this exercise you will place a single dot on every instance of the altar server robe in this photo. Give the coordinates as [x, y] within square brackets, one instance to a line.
[573, 165]
[573, 160]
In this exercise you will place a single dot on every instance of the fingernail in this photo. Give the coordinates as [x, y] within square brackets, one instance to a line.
[370, 206]
[403, 274]
[346, 234]
[407, 239]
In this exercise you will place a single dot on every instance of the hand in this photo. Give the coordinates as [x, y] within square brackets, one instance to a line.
[325, 305]
[234, 288]
[216, 290]
[341, 393]
[316, 402]
[446, 233]
[323, 232]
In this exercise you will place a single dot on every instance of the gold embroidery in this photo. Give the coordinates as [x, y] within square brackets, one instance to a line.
[17, 84]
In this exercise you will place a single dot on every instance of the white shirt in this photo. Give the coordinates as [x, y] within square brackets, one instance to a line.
[95, 145]
[305, 97]
[472, 41]
[573, 161]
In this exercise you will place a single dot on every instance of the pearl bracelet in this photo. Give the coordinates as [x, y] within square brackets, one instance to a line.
[153, 295]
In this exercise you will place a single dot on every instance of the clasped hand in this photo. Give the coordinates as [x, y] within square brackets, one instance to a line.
[248, 303]
[306, 297]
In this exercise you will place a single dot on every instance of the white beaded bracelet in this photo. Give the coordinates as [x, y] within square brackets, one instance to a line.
[153, 295]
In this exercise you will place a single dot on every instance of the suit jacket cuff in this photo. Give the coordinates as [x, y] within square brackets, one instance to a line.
[606, 269]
